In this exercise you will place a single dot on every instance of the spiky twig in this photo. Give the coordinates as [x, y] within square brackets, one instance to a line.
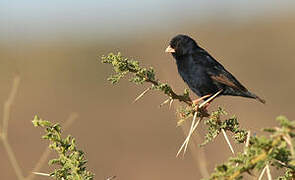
[259, 151]
[227, 141]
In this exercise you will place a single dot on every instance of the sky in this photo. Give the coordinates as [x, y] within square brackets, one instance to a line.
[29, 19]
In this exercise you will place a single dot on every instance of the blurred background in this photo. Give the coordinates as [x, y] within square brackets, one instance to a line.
[55, 47]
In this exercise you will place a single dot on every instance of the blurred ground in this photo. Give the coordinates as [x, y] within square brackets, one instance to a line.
[139, 141]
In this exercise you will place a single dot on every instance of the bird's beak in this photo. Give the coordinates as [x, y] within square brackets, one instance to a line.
[169, 49]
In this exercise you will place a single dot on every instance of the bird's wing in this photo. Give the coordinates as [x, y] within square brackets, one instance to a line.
[228, 79]
[219, 74]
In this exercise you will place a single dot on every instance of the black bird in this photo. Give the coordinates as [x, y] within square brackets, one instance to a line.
[202, 73]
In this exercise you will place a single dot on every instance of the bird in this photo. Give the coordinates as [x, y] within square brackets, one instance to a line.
[204, 75]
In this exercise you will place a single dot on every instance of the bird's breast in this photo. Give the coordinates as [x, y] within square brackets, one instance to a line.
[195, 76]
[190, 72]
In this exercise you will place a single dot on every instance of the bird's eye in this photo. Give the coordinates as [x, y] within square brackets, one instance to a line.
[176, 45]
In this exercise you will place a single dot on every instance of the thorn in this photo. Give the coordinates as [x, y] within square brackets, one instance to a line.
[165, 102]
[170, 104]
[268, 172]
[143, 93]
[190, 132]
[192, 129]
[211, 98]
[227, 140]
[262, 173]
[111, 177]
[280, 162]
[196, 102]
[248, 138]
[247, 141]
[288, 140]
[41, 174]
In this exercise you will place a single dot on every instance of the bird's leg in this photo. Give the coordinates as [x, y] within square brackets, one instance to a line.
[200, 99]
[196, 102]
[206, 103]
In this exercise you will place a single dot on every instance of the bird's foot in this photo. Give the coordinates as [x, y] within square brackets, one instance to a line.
[204, 107]
[197, 107]
[195, 102]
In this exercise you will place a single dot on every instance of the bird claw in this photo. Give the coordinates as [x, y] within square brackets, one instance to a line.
[196, 102]
[203, 110]
[200, 99]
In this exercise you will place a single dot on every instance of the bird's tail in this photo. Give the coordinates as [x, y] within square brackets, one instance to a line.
[260, 100]
[257, 98]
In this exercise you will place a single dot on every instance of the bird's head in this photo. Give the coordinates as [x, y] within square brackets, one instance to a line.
[181, 45]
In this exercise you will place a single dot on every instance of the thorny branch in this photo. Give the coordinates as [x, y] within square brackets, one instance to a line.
[122, 66]
[259, 153]
[70, 162]
[45, 155]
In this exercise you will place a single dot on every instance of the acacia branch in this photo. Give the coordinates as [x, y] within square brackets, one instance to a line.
[275, 150]
[122, 66]
[45, 155]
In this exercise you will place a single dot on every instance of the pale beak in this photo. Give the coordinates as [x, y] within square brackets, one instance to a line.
[169, 49]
